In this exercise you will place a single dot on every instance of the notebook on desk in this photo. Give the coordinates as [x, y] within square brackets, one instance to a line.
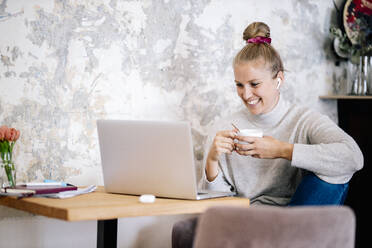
[149, 157]
[38, 189]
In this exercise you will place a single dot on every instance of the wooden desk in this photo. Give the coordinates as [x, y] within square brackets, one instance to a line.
[107, 208]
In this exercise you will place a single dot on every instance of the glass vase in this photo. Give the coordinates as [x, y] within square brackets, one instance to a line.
[360, 78]
[8, 174]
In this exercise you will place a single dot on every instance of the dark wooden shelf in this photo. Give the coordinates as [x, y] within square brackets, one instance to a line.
[355, 118]
[335, 97]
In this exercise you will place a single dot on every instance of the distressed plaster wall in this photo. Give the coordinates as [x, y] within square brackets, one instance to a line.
[65, 64]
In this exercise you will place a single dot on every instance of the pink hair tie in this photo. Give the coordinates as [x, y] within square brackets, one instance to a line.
[259, 39]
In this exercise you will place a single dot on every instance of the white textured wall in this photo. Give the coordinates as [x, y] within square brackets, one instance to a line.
[65, 64]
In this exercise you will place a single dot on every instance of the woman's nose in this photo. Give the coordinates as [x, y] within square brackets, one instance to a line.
[247, 92]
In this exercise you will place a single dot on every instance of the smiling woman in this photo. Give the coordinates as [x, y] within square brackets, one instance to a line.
[297, 141]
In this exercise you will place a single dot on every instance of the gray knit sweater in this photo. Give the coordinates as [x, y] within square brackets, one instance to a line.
[320, 146]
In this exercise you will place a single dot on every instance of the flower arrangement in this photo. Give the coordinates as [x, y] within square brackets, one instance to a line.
[353, 38]
[8, 137]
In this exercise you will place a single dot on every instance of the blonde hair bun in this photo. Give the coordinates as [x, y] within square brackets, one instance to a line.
[256, 29]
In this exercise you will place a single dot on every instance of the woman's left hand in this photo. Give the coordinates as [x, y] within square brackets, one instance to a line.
[265, 147]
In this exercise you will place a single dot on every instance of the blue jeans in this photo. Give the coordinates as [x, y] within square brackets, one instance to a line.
[314, 191]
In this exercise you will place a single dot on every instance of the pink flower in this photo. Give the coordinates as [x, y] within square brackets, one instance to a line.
[13, 133]
[8, 134]
[3, 130]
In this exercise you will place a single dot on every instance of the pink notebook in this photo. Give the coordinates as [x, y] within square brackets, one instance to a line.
[39, 190]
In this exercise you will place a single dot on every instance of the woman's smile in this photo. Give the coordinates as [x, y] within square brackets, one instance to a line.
[253, 102]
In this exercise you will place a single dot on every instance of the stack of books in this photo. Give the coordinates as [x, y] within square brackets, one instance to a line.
[30, 189]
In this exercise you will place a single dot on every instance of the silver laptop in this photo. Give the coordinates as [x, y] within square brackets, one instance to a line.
[149, 157]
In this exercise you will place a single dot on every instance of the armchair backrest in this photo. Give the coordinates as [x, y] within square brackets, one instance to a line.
[265, 226]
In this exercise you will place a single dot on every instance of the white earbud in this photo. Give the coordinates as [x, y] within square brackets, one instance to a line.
[279, 82]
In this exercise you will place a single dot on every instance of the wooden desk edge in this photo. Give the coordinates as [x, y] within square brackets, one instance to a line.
[34, 208]
[191, 207]
[117, 211]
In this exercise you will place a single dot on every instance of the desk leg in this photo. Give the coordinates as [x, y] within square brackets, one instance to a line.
[107, 231]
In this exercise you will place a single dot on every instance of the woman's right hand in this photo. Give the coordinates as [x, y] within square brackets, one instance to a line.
[223, 143]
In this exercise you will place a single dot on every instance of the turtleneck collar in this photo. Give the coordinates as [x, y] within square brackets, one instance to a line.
[271, 118]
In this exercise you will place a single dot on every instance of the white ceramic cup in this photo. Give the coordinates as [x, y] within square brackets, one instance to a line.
[250, 133]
